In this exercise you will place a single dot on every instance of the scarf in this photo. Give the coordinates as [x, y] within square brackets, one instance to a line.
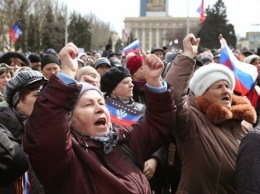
[109, 140]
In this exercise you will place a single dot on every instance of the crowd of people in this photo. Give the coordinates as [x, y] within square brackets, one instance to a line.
[180, 126]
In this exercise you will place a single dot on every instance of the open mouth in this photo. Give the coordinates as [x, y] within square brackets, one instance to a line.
[225, 99]
[101, 121]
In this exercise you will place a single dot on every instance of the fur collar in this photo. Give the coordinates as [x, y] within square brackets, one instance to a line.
[241, 109]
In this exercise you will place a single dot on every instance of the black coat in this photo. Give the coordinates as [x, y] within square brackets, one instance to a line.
[14, 124]
[13, 160]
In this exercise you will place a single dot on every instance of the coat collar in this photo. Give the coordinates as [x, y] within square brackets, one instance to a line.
[241, 109]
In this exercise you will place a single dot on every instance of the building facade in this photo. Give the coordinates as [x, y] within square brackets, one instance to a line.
[155, 28]
[160, 31]
[251, 41]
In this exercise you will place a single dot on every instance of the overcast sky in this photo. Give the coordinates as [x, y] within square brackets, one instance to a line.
[243, 14]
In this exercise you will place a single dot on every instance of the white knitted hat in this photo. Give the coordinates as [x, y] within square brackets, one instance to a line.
[250, 58]
[207, 75]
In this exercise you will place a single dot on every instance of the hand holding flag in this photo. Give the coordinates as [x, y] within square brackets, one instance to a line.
[245, 74]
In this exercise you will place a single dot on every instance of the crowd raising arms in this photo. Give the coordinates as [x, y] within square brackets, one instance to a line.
[75, 148]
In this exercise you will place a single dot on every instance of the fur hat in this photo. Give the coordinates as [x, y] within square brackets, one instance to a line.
[207, 75]
[85, 71]
[5, 58]
[49, 58]
[250, 58]
[102, 61]
[112, 78]
[133, 63]
[34, 57]
[16, 83]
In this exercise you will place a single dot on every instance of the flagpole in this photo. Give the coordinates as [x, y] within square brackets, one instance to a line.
[66, 23]
[188, 18]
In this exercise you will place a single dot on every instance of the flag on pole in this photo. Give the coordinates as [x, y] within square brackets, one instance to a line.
[133, 47]
[121, 114]
[245, 74]
[124, 33]
[200, 10]
[15, 32]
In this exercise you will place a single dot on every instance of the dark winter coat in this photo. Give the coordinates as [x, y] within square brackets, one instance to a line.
[14, 124]
[68, 162]
[13, 160]
[247, 164]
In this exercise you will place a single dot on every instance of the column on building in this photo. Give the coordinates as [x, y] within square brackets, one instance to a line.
[157, 36]
[150, 39]
[164, 41]
[143, 37]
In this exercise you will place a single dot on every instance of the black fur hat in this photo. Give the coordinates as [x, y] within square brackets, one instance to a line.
[5, 58]
[112, 78]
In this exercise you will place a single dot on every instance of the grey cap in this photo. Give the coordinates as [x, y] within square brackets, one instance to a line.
[102, 61]
[16, 83]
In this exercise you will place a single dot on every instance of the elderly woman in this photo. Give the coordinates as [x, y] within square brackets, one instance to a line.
[88, 74]
[74, 147]
[20, 94]
[210, 122]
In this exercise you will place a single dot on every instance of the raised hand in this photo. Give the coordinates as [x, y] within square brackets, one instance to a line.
[153, 67]
[68, 58]
[190, 45]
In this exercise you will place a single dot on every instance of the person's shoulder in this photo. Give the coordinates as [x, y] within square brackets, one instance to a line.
[255, 133]
[252, 138]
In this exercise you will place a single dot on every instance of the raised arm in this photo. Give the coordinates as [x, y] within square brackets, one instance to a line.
[178, 76]
[68, 58]
[47, 140]
[153, 68]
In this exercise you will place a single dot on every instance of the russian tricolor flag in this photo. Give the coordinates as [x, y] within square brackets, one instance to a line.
[245, 74]
[15, 32]
[133, 47]
[121, 113]
[200, 10]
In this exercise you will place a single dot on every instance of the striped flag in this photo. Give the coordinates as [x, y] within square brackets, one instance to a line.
[200, 10]
[245, 74]
[15, 32]
[124, 33]
[133, 47]
[121, 114]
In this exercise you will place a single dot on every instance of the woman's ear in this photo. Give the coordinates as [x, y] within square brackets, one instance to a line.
[18, 105]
